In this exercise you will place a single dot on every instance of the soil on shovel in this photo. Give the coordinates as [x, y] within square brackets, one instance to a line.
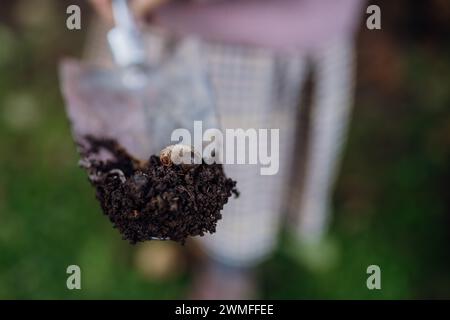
[147, 200]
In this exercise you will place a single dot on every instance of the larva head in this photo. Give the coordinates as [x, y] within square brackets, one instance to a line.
[179, 154]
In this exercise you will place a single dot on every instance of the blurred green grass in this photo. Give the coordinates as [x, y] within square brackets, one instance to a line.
[391, 200]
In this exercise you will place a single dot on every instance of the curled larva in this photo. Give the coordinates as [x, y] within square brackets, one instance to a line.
[179, 154]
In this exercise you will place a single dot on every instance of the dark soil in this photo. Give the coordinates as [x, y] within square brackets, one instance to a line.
[149, 200]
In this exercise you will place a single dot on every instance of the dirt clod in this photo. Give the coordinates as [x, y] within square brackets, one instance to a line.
[147, 200]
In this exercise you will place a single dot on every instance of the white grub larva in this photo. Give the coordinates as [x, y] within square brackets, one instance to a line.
[179, 154]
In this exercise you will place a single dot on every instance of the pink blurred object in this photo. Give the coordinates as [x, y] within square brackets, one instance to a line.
[280, 24]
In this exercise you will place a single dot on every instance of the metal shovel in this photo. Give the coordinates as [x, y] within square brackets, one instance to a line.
[137, 103]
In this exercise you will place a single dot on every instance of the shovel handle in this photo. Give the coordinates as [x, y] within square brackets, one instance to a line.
[122, 15]
[125, 38]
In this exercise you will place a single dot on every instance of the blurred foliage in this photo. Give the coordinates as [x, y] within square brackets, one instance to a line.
[391, 203]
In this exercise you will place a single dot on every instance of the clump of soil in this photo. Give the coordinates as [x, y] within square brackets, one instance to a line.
[148, 200]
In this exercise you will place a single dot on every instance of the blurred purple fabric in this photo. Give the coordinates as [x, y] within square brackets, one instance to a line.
[279, 24]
